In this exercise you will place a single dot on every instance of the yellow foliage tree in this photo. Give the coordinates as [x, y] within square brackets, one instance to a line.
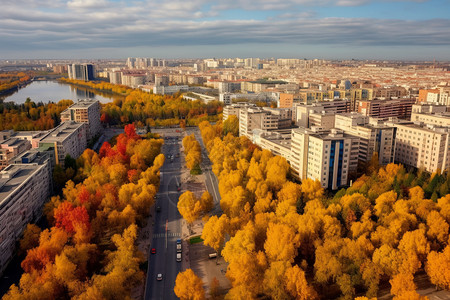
[189, 286]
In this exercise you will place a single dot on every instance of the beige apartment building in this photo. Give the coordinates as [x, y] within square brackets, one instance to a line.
[11, 148]
[67, 138]
[323, 119]
[24, 187]
[234, 109]
[278, 142]
[304, 110]
[422, 146]
[263, 118]
[328, 156]
[374, 135]
[439, 119]
[85, 111]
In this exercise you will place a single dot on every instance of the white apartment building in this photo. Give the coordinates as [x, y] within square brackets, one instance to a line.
[24, 187]
[234, 109]
[278, 142]
[304, 110]
[422, 146]
[85, 111]
[440, 119]
[262, 118]
[169, 90]
[225, 98]
[374, 136]
[67, 138]
[323, 119]
[328, 156]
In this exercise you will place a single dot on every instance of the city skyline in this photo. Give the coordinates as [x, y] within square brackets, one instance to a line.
[342, 29]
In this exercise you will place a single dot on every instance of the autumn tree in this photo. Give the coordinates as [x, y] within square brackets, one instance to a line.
[30, 237]
[189, 286]
[231, 125]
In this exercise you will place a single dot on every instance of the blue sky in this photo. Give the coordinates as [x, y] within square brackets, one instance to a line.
[330, 29]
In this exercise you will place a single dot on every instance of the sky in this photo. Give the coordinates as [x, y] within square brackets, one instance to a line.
[327, 29]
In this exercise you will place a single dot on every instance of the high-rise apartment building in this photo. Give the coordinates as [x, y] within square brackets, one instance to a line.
[377, 108]
[234, 109]
[422, 145]
[85, 111]
[328, 156]
[24, 187]
[81, 71]
[286, 100]
[69, 138]
[264, 119]
[374, 135]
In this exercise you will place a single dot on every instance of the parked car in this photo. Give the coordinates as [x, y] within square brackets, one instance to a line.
[178, 257]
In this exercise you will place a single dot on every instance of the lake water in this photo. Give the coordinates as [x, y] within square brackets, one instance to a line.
[53, 91]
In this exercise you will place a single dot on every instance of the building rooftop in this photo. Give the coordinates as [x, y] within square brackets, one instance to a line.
[61, 132]
[13, 177]
[12, 142]
[83, 103]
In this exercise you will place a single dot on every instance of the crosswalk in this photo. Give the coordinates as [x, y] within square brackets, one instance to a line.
[170, 234]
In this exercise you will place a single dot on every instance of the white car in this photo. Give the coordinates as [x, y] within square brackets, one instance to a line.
[159, 277]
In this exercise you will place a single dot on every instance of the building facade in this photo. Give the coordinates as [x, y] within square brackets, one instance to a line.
[85, 111]
[69, 138]
[24, 187]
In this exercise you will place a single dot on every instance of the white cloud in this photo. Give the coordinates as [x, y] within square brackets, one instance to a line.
[102, 24]
[87, 4]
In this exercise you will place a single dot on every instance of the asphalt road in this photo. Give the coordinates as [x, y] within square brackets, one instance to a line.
[164, 261]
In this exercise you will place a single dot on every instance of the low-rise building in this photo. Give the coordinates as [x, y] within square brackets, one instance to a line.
[11, 148]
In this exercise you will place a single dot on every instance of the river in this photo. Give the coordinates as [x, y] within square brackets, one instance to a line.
[53, 91]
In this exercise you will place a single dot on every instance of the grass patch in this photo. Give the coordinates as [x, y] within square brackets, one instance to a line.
[195, 239]
[196, 170]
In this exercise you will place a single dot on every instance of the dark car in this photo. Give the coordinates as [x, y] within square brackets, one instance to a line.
[158, 208]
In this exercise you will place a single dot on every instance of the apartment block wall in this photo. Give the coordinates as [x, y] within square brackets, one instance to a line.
[21, 204]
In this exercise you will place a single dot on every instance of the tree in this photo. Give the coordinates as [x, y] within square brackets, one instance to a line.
[281, 243]
[214, 231]
[206, 202]
[189, 286]
[189, 207]
[297, 286]
[438, 268]
[231, 125]
[30, 237]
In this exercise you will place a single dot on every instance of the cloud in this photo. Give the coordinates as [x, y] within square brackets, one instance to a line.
[87, 4]
[94, 24]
